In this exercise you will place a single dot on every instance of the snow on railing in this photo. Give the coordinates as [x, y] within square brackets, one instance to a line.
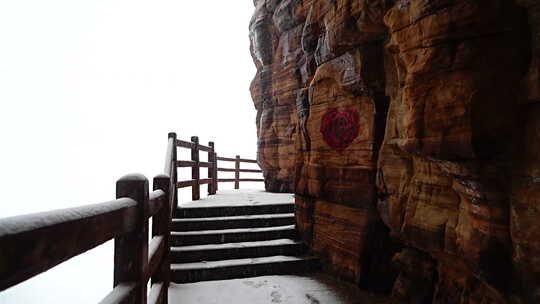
[32, 244]
[212, 164]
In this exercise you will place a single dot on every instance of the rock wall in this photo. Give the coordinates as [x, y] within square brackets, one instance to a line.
[410, 132]
[525, 171]
[445, 164]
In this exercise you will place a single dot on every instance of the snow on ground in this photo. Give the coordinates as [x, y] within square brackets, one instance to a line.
[277, 242]
[285, 289]
[240, 198]
[234, 230]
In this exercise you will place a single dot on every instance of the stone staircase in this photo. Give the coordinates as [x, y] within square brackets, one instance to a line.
[227, 242]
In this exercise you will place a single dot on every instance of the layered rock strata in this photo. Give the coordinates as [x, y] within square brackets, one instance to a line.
[319, 93]
[410, 132]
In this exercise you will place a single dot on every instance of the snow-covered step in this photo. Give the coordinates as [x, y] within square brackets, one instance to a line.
[232, 235]
[232, 222]
[215, 252]
[241, 268]
[233, 210]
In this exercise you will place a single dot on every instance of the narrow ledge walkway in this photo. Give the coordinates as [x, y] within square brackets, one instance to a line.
[244, 197]
[311, 287]
[314, 288]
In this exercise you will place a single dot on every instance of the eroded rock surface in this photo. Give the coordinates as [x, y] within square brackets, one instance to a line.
[409, 131]
[319, 93]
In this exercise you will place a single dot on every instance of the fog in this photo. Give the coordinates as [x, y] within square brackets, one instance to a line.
[89, 91]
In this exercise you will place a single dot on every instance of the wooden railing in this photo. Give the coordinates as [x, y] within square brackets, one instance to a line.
[196, 181]
[212, 164]
[237, 171]
[32, 244]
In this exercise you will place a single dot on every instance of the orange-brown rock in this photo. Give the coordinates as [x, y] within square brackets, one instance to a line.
[345, 238]
[444, 165]
[411, 119]
[347, 173]
[275, 45]
[289, 39]
[319, 93]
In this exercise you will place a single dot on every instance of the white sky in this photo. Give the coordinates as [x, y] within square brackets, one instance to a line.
[89, 91]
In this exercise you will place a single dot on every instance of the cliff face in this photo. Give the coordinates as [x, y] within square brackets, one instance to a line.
[410, 132]
[446, 162]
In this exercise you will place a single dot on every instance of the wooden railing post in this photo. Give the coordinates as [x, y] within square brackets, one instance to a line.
[131, 250]
[216, 180]
[212, 169]
[173, 173]
[195, 172]
[237, 172]
[215, 177]
[161, 227]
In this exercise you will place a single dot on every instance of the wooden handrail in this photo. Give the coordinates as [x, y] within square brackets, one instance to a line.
[192, 145]
[34, 243]
[213, 180]
[203, 181]
[186, 183]
[192, 182]
[239, 170]
[226, 180]
[185, 163]
[156, 201]
[190, 163]
[242, 160]
[156, 250]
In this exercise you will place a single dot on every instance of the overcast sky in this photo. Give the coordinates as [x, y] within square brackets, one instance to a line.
[89, 91]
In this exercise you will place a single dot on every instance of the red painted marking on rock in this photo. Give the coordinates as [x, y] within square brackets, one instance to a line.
[339, 129]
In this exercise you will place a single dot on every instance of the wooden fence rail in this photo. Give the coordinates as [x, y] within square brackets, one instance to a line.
[32, 244]
[237, 171]
[212, 164]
